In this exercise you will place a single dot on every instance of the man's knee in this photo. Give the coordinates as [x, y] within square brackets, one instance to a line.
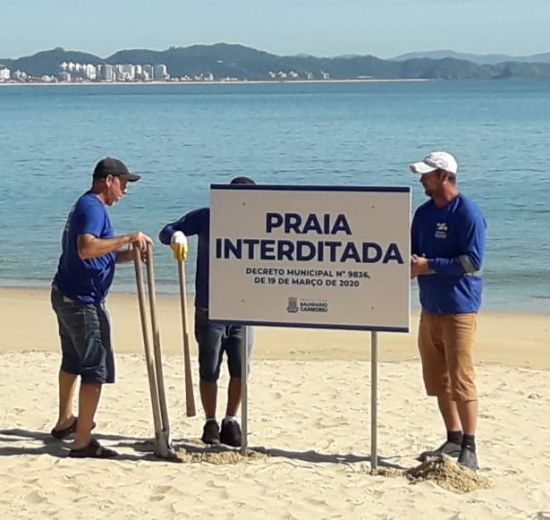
[208, 373]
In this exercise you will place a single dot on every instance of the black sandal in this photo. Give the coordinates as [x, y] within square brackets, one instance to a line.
[61, 434]
[94, 450]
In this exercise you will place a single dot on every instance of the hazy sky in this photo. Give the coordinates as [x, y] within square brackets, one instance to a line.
[384, 28]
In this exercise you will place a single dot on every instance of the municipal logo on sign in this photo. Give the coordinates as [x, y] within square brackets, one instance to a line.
[292, 306]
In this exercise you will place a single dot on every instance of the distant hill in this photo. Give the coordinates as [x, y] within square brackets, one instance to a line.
[237, 61]
[480, 59]
[47, 62]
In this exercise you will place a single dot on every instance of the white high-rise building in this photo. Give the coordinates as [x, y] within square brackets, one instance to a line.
[89, 72]
[107, 72]
[148, 72]
[160, 72]
[125, 72]
[5, 74]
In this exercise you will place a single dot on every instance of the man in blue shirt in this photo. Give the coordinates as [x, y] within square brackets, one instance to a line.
[84, 275]
[448, 247]
[212, 338]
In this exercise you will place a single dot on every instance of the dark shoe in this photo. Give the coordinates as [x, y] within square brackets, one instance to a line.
[231, 433]
[211, 433]
[93, 450]
[452, 449]
[61, 434]
[468, 459]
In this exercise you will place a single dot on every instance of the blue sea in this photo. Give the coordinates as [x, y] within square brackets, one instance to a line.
[182, 138]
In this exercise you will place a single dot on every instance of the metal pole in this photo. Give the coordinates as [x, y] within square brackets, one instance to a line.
[244, 393]
[373, 401]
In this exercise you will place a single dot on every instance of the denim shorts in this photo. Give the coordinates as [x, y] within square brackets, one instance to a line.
[213, 340]
[85, 334]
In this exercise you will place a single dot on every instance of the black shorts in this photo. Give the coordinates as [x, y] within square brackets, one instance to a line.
[85, 334]
[213, 340]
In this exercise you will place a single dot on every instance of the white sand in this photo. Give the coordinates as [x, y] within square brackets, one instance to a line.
[309, 418]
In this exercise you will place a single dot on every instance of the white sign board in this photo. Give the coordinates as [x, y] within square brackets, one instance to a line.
[310, 256]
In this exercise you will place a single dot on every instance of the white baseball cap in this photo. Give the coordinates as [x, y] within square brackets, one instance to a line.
[435, 161]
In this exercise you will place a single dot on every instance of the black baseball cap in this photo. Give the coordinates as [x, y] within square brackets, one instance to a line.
[242, 180]
[111, 166]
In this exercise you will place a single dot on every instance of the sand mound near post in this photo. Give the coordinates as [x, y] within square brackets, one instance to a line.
[446, 473]
[212, 456]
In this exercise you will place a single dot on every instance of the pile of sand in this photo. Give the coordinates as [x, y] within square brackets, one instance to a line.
[445, 472]
[192, 456]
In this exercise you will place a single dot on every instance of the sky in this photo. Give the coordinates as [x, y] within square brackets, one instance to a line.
[384, 28]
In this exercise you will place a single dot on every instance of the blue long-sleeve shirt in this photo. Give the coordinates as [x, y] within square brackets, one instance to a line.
[196, 222]
[452, 238]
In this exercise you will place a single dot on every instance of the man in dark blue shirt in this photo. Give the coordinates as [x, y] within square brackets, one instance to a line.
[212, 338]
[448, 247]
[81, 283]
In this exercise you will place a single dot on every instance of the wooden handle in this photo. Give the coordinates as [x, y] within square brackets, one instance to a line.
[189, 396]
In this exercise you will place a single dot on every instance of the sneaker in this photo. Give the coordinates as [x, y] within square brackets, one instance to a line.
[231, 433]
[452, 449]
[211, 433]
[468, 459]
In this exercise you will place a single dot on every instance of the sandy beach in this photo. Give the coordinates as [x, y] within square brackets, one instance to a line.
[309, 426]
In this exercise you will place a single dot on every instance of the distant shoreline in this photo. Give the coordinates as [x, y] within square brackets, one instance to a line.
[121, 290]
[219, 82]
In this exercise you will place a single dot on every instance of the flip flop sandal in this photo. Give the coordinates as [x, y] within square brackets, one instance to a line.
[61, 434]
[94, 450]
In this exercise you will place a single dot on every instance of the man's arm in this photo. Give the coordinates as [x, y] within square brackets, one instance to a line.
[90, 246]
[189, 224]
[470, 261]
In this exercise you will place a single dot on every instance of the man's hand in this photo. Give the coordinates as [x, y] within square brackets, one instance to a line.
[178, 243]
[140, 240]
[137, 241]
[419, 265]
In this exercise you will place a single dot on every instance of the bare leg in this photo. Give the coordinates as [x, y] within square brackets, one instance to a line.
[67, 385]
[209, 396]
[233, 396]
[449, 412]
[87, 405]
[467, 410]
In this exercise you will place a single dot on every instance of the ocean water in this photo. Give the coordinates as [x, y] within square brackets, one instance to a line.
[184, 137]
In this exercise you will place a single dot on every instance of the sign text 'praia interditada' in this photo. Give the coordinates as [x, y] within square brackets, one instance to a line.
[332, 250]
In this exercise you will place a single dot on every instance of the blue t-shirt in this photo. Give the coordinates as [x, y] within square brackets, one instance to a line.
[86, 281]
[196, 222]
[453, 240]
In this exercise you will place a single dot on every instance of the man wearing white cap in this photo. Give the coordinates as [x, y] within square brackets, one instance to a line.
[448, 246]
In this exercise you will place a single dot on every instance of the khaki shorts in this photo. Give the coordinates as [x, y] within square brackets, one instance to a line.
[445, 342]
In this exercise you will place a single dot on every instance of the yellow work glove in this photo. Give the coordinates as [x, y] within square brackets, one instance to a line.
[178, 243]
